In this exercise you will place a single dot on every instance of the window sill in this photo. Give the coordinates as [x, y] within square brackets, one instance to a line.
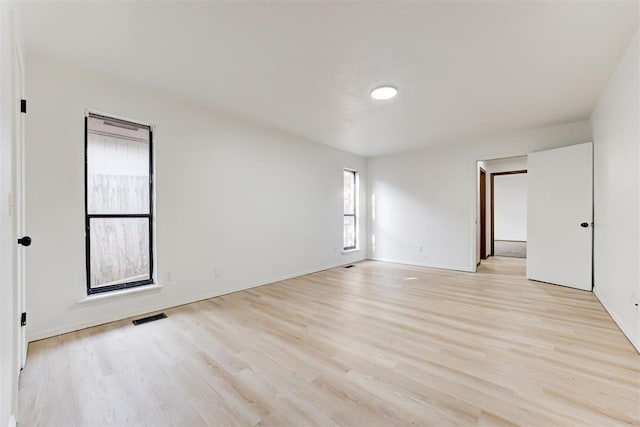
[348, 251]
[120, 293]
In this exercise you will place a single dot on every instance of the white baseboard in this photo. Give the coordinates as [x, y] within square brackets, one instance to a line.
[625, 330]
[58, 330]
[465, 269]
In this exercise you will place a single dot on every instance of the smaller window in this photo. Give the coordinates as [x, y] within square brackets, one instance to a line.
[350, 229]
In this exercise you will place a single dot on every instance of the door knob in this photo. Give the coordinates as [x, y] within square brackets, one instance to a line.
[25, 241]
[584, 225]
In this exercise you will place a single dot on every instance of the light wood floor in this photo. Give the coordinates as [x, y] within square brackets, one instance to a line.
[378, 344]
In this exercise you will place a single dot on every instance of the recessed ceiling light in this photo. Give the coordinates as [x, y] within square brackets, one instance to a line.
[382, 93]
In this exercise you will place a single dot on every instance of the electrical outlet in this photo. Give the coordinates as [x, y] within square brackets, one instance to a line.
[217, 272]
[420, 249]
[168, 276]
[636, 301]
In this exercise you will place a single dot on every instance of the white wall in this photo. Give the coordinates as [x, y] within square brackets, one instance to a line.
[616, 137]
[251, 203]
[428, 199]
[510, 207]
[9, 317]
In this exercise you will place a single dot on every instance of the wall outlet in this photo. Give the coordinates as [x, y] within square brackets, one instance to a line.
[420, 249]
[217, 272]
[168, 276]
[636, 301]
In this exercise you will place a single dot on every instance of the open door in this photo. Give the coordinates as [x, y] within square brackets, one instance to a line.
[560, 215]
[12, 337]
[19, 208]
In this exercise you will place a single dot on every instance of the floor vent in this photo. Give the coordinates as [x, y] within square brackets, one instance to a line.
[349, 266]
[149, 319]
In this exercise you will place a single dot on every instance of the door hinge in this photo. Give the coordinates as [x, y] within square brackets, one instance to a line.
[23, 319]
[23, 105]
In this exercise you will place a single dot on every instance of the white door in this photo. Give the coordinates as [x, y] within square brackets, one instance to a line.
[19, 204]
[559, 216]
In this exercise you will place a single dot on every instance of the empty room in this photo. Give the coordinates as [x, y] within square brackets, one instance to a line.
[288, 213]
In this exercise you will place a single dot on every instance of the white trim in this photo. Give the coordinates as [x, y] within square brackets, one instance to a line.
[348, 251]
[627, 332]
[439, 266]
[119, 293]
[12, 421]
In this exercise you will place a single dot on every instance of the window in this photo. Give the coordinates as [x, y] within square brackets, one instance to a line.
[118, 204]
[350, 231]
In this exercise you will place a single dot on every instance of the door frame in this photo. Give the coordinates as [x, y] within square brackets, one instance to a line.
[493, 227]
[483, 214]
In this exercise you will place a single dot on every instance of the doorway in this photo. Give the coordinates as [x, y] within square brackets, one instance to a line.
[490, 238]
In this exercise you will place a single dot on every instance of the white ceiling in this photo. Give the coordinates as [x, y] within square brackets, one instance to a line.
[306, 68]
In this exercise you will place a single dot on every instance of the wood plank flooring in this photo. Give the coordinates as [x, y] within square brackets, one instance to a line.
[379, 344]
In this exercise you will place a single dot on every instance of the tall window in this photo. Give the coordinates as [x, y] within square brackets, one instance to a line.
[350, 231]
[118, 204]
